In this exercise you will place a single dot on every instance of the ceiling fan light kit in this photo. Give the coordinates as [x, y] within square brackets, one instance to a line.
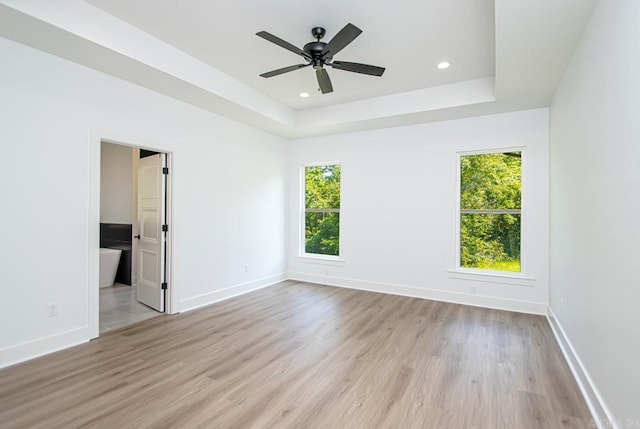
[319, 54]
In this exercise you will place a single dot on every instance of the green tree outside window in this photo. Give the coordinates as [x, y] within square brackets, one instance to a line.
[490, 211]
[322, 209]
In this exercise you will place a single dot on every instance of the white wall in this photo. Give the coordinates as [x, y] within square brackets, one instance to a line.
[116, 184]
[229, 195]
[595, 207]
[398, 209]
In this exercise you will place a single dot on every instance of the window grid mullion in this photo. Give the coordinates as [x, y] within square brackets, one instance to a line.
[312, 210]
[491, 211]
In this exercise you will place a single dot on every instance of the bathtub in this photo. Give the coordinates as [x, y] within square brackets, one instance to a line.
[109, 260]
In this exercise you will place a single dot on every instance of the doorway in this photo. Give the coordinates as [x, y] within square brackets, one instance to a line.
[134, 223]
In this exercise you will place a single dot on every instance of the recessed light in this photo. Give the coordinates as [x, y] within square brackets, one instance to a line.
[443, 65]
[304, 94]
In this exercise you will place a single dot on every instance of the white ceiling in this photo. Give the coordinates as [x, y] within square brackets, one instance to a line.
[409, 39]
[505, 56]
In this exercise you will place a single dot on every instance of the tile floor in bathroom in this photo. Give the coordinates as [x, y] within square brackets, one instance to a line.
[119, 307]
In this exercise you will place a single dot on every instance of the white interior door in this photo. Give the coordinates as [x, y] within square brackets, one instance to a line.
[151, 243]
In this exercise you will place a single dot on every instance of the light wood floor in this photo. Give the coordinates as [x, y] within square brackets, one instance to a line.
[297, 355]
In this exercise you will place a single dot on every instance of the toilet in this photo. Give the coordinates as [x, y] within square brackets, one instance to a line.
[109, 260]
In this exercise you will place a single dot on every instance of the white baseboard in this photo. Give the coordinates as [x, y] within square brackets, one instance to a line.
[229, 292]
[43, 346]
[415, 292]
[601, 414]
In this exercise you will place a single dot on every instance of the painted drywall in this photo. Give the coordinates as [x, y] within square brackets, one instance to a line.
[116, 184]
[595, 207]
[398, 209]
[228, 189]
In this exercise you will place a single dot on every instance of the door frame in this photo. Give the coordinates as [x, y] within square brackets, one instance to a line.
[93, 266]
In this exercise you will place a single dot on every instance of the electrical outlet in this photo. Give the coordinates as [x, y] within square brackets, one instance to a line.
[473, 290]
[52, 310]
[246, 268]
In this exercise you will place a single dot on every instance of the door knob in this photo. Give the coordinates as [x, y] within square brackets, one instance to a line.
[137, 236]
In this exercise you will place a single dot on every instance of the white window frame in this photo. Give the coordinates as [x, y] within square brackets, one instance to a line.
[317, 257]
[480, 271]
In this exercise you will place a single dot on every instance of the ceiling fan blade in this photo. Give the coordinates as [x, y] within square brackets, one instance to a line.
[284, 70]
[323, 81]
[283, 44]
[358, 68]
[340, 40]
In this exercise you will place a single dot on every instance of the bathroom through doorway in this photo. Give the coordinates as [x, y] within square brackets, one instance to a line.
[134, 236]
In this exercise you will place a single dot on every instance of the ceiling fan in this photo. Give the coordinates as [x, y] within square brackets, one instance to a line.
[320, 54]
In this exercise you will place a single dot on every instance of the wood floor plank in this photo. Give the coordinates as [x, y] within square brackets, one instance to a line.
[297, 355]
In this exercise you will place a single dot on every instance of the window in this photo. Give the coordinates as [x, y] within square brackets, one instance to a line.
[490, 211]
[322, 209]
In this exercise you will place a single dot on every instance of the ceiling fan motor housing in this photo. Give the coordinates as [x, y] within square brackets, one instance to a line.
[314, 49]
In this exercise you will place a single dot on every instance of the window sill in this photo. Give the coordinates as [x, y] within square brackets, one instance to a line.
[322, 260]
[492, 277]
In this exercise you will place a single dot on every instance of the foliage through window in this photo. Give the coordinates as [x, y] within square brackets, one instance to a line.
[322, 209]
[490, 211]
